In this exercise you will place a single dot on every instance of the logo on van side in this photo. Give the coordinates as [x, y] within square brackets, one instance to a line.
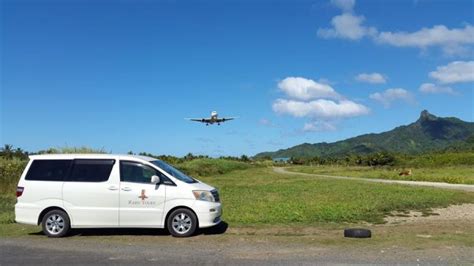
[142, 196]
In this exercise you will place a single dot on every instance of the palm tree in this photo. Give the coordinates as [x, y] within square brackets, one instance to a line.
[20, 153]
[7, 151]
[189, 157]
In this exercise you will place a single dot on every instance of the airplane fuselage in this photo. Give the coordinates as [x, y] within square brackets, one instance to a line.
[214, 116]
[213, 119]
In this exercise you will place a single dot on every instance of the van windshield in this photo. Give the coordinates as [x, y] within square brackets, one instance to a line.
[173, 171]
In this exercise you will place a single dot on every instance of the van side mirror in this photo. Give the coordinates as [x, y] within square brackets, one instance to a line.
[155, 179]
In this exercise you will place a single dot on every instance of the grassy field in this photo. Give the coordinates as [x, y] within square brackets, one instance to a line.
[256, 196]
[461, 174]
[259, 196]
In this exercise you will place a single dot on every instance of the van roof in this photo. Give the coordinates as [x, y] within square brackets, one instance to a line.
[89, 156]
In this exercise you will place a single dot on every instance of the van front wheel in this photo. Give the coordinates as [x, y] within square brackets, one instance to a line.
[182, 223]
[55, 223]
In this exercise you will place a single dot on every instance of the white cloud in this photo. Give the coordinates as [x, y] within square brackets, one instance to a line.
[320, 108]
[435, 89]
[452, 41]
[454, 72]
[347, 26]
[374, 78]
[318, 126]
[306, 89]
[317, 101]
[345, 5]
[387, 97]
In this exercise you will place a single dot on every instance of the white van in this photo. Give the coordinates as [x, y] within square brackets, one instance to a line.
[63, 191]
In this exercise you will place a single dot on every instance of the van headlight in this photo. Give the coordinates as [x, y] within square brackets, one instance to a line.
[203, 195]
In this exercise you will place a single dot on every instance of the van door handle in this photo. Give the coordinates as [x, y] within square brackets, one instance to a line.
[126, 189]
[112, 188]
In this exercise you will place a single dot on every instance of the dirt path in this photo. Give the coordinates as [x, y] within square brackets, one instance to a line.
[463, 187]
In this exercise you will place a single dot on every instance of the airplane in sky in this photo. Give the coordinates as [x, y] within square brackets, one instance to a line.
[213, 119]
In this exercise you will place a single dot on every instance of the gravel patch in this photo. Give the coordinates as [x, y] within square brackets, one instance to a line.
[463, 212]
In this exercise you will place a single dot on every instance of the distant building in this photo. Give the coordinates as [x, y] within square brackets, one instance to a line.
[281, 160]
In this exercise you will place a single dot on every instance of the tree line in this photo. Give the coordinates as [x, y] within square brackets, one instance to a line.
[373, 159]
[9, 152]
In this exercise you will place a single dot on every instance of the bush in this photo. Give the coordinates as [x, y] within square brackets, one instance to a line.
[438, 159]
[208, 167]
[431, 159]
[10, 172]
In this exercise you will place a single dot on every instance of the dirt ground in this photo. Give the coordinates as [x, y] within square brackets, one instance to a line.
[406, 238]
[457, 213]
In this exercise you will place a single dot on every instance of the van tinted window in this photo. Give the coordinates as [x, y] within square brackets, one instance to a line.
[88, 170]
[48, 170]
[139, 173]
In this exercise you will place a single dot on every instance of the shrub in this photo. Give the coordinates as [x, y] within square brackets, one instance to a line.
[208, 167]
[10, 172]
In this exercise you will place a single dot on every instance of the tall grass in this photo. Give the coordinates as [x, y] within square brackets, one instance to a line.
[10, 172]
[7, 209]
[208, 167]
[437, 159]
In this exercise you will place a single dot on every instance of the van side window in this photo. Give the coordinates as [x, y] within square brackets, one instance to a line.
[48, 170]
[137, 172]
[90, 170]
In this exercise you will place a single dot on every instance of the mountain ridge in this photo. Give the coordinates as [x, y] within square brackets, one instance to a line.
[428, 133]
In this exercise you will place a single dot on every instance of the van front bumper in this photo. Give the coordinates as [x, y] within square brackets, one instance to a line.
[208, 213]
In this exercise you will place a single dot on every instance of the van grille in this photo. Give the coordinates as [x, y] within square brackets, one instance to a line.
[216, 195]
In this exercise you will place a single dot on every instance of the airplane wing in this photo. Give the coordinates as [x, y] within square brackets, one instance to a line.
[202, 120]
[220, 120]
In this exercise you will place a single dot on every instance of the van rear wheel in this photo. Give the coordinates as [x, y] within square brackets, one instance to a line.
[56, 223]
[182, 223]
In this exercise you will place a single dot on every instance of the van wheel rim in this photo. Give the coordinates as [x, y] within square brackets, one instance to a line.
[181, 223]
[55, 224]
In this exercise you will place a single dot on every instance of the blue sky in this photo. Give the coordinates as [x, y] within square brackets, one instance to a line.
[122, 75]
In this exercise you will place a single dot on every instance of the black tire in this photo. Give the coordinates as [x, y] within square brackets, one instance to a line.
[182, 223]
[357, 233]
[56, 223]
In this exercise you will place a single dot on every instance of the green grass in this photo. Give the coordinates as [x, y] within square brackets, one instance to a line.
[10, 172]
[259, 196]
[437, 159]
[461, 174]
[209, 167]
[7, 203]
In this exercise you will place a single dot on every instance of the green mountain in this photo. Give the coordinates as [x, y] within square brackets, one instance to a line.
[428, 133]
